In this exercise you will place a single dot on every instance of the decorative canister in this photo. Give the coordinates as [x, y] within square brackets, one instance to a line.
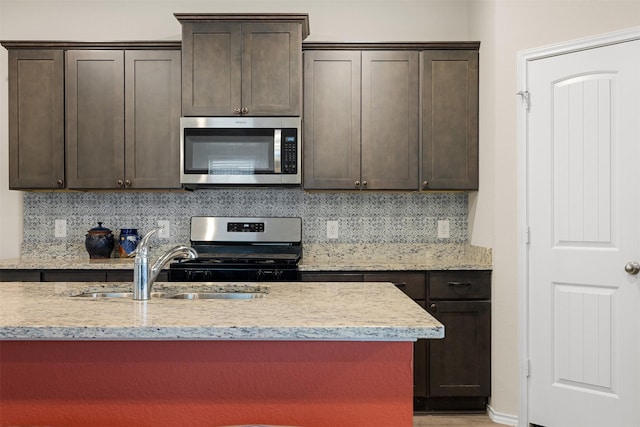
[99, 242]
[128, 241]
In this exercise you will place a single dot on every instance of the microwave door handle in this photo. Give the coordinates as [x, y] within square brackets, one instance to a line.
[277, 151]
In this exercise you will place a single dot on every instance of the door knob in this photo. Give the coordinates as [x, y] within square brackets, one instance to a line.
[632, 267]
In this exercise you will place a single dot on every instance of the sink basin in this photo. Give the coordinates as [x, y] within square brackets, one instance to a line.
[177, 294]
[217, 295]
[114, 294]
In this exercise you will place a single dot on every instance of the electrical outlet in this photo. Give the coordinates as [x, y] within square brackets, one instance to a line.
[332, 229]
[60, 228]
[443, 229]
[166, 230]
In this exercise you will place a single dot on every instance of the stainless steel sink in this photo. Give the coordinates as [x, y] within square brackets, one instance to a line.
[114, 294]
[217, 295]
[176, 294]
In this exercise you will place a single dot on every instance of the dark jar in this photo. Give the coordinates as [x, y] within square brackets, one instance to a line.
[128, 241]
[99, 242]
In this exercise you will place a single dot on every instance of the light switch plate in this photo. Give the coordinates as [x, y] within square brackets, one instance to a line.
[443, 229]
[165, 233]
[60, 228]
[332, 229]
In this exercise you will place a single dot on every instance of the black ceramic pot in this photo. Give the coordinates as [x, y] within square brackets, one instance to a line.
[99, 242]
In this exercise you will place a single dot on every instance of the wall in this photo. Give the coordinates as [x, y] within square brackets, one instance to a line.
[506, 27]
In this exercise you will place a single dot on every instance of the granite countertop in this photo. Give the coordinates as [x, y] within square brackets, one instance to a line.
[290, 311]
[316, 257]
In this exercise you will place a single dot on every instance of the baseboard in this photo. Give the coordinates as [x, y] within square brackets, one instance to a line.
[506, 419]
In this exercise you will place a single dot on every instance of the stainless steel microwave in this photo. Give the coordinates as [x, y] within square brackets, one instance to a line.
[240, 151]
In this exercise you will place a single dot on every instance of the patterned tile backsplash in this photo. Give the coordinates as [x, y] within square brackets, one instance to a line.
[362, 217]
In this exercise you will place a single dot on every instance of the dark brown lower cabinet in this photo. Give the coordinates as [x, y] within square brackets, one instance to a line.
[452, 374]
[73, 276]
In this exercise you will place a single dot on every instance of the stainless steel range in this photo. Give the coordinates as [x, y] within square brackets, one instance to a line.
[241, 249]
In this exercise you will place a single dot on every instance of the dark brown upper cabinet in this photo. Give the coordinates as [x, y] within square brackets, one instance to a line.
[449, 120]
[361, 121]
[242, 65]
[376, 117]
[123, 119]
[36, 119]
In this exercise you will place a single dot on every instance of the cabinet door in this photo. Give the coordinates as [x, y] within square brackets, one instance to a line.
[450, 120]
[390, 120]
[211, 72]
[331, 123]
[459, 364]
[271, 69]
[36, 119]
[95, 119]
[152, 123]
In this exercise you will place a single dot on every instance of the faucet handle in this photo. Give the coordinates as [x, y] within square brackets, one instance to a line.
[144, 242]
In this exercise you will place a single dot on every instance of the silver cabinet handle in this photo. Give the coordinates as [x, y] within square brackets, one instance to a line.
[364, 183]
[236, 110]
[245, 110]
[120, 183]
[632, 267]
[357, 184]
[127, 183]
[60, 183]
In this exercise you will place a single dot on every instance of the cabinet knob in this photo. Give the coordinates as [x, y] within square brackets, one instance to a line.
[433, 308]
[127, 183]
[120, 183]
[364, 183]
[425, 184]
[357, 184]
[245, 110]
[236, 110]
[60, 182]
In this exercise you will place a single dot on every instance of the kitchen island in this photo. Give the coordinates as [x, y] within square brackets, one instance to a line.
[308, 354]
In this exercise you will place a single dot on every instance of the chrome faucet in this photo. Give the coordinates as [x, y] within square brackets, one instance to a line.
[143, 274]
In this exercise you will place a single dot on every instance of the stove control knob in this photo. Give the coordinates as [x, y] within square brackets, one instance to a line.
[190, 274]
[278, 274]
[207, 275]
[260, 275]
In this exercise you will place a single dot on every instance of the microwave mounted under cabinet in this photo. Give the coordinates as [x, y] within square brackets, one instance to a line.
[240, 151]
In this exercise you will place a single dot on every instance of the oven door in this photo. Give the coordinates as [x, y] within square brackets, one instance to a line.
[240, 150]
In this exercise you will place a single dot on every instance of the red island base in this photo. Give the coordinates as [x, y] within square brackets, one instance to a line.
[206, 383]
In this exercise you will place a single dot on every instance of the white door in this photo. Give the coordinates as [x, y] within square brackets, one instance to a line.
[583, 208]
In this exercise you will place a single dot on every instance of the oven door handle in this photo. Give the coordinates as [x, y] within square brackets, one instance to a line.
[277, 151]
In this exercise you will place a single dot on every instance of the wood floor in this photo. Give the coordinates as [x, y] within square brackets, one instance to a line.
[480, 420]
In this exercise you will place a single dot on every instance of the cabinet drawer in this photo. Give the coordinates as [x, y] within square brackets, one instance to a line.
[73, 276]
[412, 284]
[330, 277]
[460, 285]
[119, 275]
[19, 276]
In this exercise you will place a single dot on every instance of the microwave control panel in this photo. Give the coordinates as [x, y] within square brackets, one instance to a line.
[289, 152]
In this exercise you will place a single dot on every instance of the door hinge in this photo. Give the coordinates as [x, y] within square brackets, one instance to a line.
[524, 94]
[527, 235]
[527, 368]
